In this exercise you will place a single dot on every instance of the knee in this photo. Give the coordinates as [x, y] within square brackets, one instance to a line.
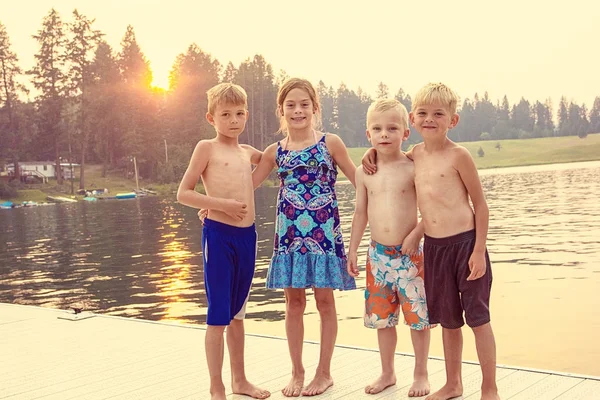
[295, 305]
[325, 304]
[215, 329]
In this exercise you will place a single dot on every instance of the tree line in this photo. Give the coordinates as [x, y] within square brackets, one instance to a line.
[93, 103]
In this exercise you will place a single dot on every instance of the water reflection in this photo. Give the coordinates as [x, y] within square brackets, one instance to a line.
[142, 258]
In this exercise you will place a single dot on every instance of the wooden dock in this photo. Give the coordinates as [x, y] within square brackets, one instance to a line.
[46, 357]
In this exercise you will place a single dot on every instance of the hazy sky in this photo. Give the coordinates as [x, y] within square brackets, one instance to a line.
[526, 48]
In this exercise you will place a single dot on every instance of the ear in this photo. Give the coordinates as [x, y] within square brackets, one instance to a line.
[454, 121]
[406, 134]
[368, 135]
[411, 117]
[210, 119]
[280, 110]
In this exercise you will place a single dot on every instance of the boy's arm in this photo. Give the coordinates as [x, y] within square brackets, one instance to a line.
[265, 166]
[187, 195]
[410, 244]
[468, 173]
[410, 153]
[255, 154]
[359, 222]
[369, 161]
[340, 155]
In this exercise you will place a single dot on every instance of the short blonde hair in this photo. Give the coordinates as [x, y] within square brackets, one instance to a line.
[383, 105]
[226, 93]
[298, 83]
[436, 93]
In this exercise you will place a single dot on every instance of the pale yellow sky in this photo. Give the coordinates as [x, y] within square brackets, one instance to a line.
[519, 48]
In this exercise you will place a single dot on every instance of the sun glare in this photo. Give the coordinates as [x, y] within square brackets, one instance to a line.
[160, 82]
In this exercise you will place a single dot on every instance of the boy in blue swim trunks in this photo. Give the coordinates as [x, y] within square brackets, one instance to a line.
[229, 235]
[388, 202]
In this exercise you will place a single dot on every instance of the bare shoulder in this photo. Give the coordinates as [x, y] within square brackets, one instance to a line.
[331, 139]
[416, 150]
[360, 172]
[203, 148]
[460, 153]
[271, 150]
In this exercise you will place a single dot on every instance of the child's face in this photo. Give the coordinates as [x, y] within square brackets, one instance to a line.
[229, 119]
[433, 120]
[298, 109]
[387, 131]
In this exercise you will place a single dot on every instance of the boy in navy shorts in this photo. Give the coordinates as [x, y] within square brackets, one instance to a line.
[229, 235]
[458, 275]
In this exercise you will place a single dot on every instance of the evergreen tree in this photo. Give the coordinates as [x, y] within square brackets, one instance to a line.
[10, 134]
[80, 50]
[49, 78]
[595, 116]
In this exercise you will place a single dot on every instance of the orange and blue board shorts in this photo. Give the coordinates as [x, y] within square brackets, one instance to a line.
[394, 282]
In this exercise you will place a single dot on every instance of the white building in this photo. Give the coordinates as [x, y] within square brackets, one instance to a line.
[44, 170]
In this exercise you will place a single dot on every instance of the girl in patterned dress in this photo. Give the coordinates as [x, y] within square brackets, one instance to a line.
[308, 249]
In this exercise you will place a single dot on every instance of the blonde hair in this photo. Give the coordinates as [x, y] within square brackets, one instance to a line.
[298, 83]
[383, 105]
[226, 93]
[436, 93]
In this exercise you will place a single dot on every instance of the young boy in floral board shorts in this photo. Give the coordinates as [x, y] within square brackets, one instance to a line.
[458, 275]
[388, 202]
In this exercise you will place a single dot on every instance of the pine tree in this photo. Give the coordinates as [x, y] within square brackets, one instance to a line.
[9, 103]
[80, 50]
[49, 79]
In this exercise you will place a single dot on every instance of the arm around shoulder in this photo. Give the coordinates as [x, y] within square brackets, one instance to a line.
[265, 166]
[255, 154]
[340, 155]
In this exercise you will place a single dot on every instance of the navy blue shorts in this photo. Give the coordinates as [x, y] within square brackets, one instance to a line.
[449, 293]
[229, 254]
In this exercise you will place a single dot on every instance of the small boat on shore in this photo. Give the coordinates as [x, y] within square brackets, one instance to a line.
[130, 195]
[61, 199]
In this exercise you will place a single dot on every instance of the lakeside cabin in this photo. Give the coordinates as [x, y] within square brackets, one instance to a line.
[37, 171]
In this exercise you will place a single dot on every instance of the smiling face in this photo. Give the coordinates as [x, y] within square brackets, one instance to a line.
[298, 105]
[229, 119]
[298, 109]
[386, 130]
[433, 120]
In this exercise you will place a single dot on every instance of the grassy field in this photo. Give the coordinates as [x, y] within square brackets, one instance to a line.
[512, 153]
[525, 151]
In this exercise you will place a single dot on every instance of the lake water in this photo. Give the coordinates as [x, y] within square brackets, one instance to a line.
[142, 258]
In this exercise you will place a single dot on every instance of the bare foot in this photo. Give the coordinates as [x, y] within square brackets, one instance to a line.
[490, 394]
[447, 392]
[319, 385]
[294, 388]
[383, 382]
[249, 389]
[218, 395]
[420, 387]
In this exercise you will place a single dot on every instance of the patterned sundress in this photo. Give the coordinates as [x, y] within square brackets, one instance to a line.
[308, 249]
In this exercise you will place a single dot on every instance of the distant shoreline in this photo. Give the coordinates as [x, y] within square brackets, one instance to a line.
[512, 153]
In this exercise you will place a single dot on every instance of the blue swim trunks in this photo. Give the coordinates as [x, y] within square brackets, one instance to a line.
[229, 254]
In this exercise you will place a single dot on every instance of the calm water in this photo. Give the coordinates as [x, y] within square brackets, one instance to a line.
[142, 258]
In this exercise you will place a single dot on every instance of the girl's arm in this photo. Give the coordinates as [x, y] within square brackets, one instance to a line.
[339, 152]
[255, 155]
[265, 166]
[359, 222]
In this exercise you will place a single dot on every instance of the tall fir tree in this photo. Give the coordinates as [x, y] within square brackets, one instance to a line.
[50, 80]
[80, 51]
